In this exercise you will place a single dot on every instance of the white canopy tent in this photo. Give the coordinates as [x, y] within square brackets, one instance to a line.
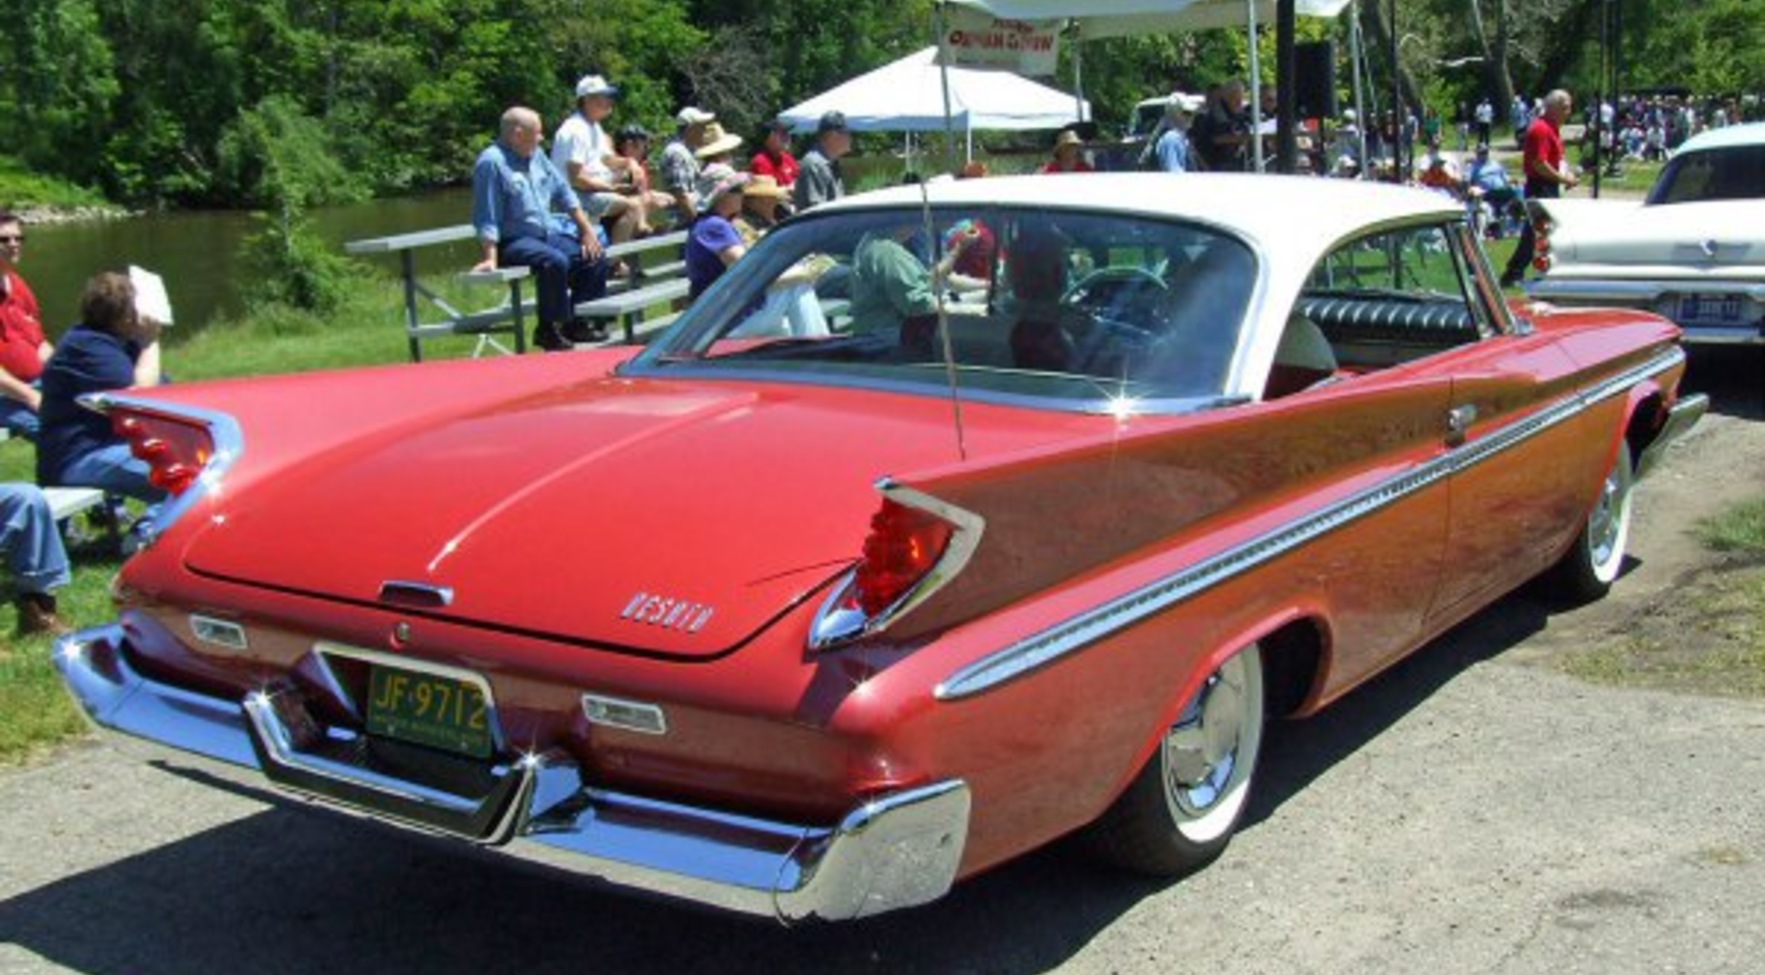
[908, 96]
[1118, 18]
[1095, 19]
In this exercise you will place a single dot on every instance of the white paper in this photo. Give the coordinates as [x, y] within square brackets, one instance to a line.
[151, 300]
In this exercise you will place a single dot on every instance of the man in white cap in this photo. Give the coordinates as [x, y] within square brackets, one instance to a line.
[1173, 151]
[582, 152]
[679, 164]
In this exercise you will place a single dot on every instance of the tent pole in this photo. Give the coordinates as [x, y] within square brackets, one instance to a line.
[944, 75]
[1359, 58]
[1078, 73]
[1255, 87]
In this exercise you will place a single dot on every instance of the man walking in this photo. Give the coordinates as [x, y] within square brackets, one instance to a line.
[515, 189]
[1546, 175]
[23, 347]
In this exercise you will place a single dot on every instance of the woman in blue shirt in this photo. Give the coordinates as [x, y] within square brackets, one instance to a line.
[113, 347]
[715, 243]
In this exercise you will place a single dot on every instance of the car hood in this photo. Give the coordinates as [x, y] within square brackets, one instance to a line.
[663, 517]
[1717, 233]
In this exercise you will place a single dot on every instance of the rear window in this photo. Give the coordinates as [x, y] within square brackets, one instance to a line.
[1729, 173]
[1062, 309]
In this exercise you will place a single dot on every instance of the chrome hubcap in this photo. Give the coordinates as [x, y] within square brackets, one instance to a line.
[1204, 748]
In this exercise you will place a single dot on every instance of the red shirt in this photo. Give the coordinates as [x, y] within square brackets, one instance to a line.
[21, 330]
[784, 168]
[1543, 150]
[1078, 167]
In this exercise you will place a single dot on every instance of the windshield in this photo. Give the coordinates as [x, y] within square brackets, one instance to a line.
[1069, 310]
[1729, 173]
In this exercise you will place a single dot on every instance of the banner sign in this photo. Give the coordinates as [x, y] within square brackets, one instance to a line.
[975, 39]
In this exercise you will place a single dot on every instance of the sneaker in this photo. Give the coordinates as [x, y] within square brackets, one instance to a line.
[36, 614]
[585, 330]
[548, 337]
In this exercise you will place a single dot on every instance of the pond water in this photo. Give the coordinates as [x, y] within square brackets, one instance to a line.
[197, 251]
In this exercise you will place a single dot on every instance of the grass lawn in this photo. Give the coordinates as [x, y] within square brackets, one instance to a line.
[19, 187]
[34, 712]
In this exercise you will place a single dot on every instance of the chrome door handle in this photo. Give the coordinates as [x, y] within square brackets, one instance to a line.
[1458, 423]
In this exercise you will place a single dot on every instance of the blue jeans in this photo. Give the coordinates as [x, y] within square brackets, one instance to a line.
[564, 277]
[19, 419]
[113, 470]
[30, 541]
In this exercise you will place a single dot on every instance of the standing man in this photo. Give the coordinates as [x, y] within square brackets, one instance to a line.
[820, 179]
[515, 189]
[1172, 150]
[1546, 174]
[582, 151]
[1222, 135]
[23, 348]
[30, 545]
[1485, 120]
[680, 162]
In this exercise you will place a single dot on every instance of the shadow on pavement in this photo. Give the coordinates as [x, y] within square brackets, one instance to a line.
[1732, 375]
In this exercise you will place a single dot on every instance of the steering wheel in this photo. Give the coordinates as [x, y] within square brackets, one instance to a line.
[1103, 289]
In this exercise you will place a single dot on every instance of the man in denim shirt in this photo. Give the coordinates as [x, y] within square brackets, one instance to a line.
[515, 190]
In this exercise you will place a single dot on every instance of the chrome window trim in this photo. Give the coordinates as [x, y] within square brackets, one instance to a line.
[229, 446]
[1055, 642]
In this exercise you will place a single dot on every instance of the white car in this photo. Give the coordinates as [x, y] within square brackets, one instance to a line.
[1693, 251]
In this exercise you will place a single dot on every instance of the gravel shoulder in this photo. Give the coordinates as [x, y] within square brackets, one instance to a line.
[1472, 810]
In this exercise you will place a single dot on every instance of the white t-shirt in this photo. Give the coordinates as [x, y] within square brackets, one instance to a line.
[581, 141]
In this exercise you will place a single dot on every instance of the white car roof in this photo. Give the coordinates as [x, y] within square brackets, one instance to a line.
[1293, 219]
[1748, 134]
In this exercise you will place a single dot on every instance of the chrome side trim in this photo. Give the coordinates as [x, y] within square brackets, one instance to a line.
[834, 624]
[1682, 417]
[229, 446]
[897, 850]
[1057, 641]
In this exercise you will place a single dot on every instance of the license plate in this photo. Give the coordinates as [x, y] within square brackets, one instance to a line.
[426, 709]
[1709, 310]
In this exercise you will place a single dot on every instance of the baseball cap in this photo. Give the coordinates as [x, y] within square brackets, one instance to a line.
[594, 84]
[694, 116]
[832, 122]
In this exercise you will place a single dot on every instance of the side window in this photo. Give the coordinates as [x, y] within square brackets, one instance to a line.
[1396, 295]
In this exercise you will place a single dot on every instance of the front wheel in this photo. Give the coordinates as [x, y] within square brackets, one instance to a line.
[1180, 811]
[1586, 572]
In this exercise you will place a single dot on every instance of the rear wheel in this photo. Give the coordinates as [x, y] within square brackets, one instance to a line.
[1586, 572]
[1180, 811]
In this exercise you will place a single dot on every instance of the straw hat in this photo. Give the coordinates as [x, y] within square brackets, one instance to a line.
[1067, 138]
[765, 186]
[717, 142]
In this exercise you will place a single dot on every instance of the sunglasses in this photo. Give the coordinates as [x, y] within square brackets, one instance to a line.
[12, 238]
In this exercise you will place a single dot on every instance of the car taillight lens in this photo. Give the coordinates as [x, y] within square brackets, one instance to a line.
[1541, 239]
[175, 451]
[917, 544]
[904, 544]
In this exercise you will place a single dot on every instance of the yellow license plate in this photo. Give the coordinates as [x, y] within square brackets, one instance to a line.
[426, 709]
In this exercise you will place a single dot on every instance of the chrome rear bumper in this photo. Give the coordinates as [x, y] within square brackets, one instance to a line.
[1681, 418]
[896, 851]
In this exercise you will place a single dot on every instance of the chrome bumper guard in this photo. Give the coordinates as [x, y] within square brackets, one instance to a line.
[896, 851]
[1681, 418]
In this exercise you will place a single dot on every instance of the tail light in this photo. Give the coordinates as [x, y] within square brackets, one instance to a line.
[187, 449]
[916, 545]
[1541, 252]
[176, 451]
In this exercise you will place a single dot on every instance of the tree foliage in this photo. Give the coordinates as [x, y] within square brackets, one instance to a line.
[145, 98]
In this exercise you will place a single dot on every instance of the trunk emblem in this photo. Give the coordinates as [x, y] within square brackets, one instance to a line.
[667, 612]
[1708, 247]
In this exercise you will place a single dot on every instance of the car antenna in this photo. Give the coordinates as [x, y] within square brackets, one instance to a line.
[937, 282]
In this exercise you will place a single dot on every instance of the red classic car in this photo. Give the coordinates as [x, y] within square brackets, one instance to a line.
[953, 519]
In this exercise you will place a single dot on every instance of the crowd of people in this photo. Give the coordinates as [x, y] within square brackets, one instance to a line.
[114, 346]
[557, 213]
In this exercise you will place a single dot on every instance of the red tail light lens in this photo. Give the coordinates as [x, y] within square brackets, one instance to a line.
[175, 451]
[904, 544]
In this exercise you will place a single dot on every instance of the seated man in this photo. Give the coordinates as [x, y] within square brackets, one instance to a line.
[1491, 178]
[582, 151]
[515, 189]
[34, 556]
[893, 292]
